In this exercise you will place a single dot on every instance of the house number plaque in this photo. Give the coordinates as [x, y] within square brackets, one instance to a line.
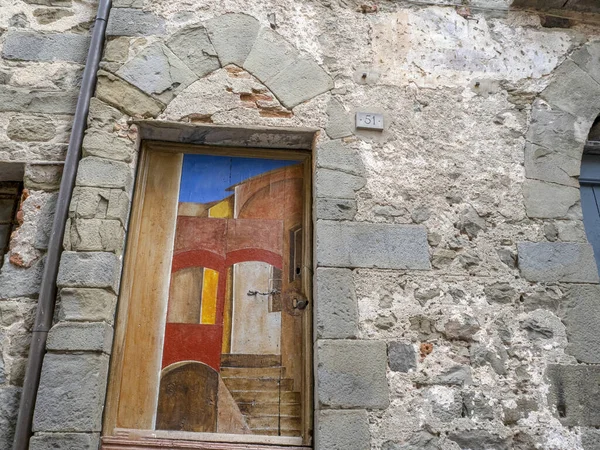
[370, 121]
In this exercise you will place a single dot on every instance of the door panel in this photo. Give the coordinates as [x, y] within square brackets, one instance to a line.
[208, 275]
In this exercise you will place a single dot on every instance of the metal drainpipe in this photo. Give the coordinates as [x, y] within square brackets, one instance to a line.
[47, 297]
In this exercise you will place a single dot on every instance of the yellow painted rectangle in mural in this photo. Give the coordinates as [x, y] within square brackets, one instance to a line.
[209, 297]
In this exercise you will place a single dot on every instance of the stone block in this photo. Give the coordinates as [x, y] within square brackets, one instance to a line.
[81, 304]
[339, 121]
[71, 393]
[402, 356]
[549, 165]
[134, 22]
[43, 102]
[118, 206]
[125, 97]
[106, 145]
[336, 310]
[362, 244]
[336, 184]
[92, 270]
[45, 177]
[233, 36]
[557, 130]
[30, 128]
[29, 46]
[9, 407]
[351, 374]
[335, 208]
[90, 202]
[157, 72]
[574, 394]
[193, 47]
[334, 155]
[480, 439]
[270, 54]
[342, 430]
[96, 235]
[45, 221]
[590, 439]
[573, 90]
[102, 115]
[557, 261]
[581, 316]
[551, 201]
[64, 441]
[19, 281]
[80, 336]
[588, 59]
[302, 80]
[100, 172]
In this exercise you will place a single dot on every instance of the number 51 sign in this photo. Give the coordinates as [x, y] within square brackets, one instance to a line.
[371, 121]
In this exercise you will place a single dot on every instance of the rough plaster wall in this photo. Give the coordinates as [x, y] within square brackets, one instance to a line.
[455, 87]
[36, 136]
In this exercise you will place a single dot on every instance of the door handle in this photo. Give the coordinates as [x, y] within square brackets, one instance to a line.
[301, 303]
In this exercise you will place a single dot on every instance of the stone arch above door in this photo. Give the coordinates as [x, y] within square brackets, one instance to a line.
[144, 85]
[561, 118]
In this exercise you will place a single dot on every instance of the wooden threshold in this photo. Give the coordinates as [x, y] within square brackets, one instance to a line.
[180, 440]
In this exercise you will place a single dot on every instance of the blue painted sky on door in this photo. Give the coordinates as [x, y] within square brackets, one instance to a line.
[205, 178]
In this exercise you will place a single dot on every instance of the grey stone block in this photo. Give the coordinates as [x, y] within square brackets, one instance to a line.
[28, 46]
[574, 91]
[102, 115]
[588, 59]
[335, 155]
[71, 393]
[332, 183]
[574, 394]
[342, 430]
[557, 261]
[80, 336]
[134, 22]
[335, 208]
[92, 270]
[551, 201]
[64, 441]
[339, 121]
[549, 165]
[79, 304]
[557, 130]
[362, 244]
[352, 374]
[95, 235]
[45, 102]
[194, 48]
[270, 54]
[590, 439]
[233, 36]
[336, 310]
[45, 221]
[299, 82]
[127, 98]
[480, 439]
[581, 315]
[9, 406]
[100, 172]
[30, 128]
[402, 356]
[454, 376]
[20, 281]
[106, 145]
[157, 72]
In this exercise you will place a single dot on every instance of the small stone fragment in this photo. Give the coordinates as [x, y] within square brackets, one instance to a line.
[500, 292]
[401, 356]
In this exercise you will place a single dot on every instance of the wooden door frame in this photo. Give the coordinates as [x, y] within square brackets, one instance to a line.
[114, 437]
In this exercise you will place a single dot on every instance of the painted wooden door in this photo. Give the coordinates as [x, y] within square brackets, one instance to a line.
[212, 329]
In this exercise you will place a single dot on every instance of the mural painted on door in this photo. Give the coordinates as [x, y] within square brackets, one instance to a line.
[231, 360]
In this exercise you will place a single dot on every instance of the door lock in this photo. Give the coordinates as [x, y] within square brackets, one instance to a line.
[299, 303]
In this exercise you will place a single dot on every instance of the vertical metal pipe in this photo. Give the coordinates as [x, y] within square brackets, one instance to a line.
[47, 297]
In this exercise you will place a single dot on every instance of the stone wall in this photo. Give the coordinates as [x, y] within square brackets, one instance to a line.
[455, 293]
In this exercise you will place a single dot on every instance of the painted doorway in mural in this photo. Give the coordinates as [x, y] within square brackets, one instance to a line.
[216, 317]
